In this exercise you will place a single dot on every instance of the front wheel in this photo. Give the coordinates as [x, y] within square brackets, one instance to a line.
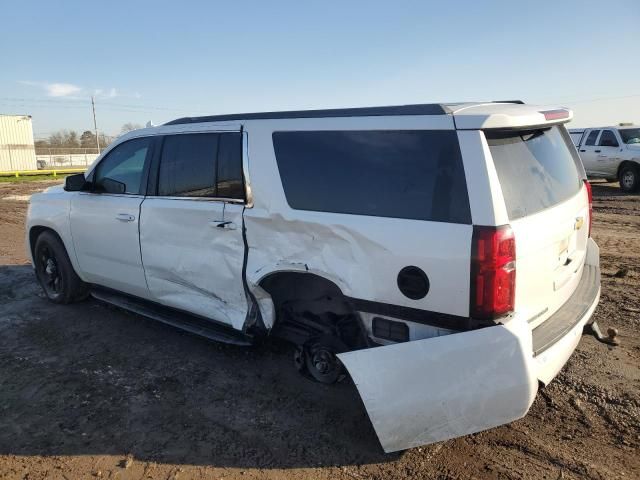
[54, 271]
[629, 178]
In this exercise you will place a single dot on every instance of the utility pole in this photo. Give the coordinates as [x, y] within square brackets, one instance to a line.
[95, 125]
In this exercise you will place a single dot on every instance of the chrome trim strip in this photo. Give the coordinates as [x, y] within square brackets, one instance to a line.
[245, 170]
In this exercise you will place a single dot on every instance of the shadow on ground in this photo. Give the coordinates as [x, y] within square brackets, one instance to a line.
[89, 379]
[602, 188]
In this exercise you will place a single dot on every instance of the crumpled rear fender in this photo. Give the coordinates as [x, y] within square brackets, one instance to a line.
[431, 390]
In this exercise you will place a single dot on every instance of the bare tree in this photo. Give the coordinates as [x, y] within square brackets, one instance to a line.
[127, 127]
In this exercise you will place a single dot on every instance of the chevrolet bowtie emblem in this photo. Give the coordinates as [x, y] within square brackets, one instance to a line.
[578, 223]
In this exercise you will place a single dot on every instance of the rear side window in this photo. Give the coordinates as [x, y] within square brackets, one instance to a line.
[608, 139]
[401, 174]
[537, 169]
[591, 139]
[230, 181]
[201, 165]
[188, 165]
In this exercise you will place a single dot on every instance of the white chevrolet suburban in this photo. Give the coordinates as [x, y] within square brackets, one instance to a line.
[612, 153]
[440, 253]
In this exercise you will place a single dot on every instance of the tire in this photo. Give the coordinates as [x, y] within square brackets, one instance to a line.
[629, 178]
[54, 271]
[321, 361]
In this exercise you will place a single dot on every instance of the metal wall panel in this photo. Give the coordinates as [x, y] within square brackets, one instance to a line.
[17, 151]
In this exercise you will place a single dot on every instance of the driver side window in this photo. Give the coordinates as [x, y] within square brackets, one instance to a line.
[122, 169]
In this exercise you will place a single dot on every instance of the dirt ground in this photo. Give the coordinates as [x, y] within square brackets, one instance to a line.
[90, 391]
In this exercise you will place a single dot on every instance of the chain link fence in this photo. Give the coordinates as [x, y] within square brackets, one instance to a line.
[18, 158]
[49, 158]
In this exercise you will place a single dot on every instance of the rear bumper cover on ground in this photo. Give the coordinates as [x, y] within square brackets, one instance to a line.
[439, 388]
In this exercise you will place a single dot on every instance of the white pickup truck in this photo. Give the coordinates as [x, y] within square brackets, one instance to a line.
[612, 153]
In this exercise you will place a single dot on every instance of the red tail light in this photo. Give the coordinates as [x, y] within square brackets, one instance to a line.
[493, 272]
[590, 196]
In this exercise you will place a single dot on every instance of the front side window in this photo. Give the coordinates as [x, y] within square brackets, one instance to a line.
[202, 165]
[537, 169]
[591, 139]
[414, 174]
[608, 139]
[121, 171]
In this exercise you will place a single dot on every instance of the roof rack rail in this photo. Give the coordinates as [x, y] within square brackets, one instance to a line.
[417, 109]
[519, 102]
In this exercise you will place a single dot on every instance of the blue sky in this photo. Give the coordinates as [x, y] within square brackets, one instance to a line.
[158, 60]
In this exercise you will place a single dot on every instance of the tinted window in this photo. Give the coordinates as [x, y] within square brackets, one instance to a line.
[202, 165]
[591, 139]
[608, 139]
[230, 178]
[537, 169]
[121, 171]
[188, 165]
[630, 135]
[403, 174]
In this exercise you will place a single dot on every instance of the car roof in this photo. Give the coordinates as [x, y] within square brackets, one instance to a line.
[392, 110]
[467, 115]
[610, 127]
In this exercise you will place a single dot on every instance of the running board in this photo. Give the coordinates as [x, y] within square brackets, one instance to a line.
[176, 318]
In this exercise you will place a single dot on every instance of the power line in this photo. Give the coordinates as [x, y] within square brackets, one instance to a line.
[78, 103]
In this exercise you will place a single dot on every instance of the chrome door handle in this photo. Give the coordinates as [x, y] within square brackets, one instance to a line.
[222, 224]
[125, 217]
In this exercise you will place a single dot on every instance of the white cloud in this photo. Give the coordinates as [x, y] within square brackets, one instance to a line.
[61, 89]
[108, 93]
[76, 92]
[55, 89]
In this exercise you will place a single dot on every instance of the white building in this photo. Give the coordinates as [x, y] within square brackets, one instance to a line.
[17, 151]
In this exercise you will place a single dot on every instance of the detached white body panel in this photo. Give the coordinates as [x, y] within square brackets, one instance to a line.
[436, 389]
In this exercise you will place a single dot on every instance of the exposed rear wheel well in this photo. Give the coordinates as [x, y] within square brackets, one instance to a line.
[309, 306]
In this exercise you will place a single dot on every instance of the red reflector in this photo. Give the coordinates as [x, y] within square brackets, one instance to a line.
[493, 272]
[555, 114]
[590, 197]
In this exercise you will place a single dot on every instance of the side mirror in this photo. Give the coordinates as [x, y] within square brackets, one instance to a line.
[109, 185]
[75, 183]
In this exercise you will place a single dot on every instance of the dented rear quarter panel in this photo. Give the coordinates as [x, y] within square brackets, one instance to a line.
[362, 255]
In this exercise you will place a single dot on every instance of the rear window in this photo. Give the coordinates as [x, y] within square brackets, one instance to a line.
[401, 174]
[537, 169]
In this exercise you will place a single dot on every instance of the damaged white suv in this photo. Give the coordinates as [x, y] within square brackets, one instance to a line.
[441, 253]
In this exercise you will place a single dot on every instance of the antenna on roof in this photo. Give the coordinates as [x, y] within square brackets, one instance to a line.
[150, 124]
